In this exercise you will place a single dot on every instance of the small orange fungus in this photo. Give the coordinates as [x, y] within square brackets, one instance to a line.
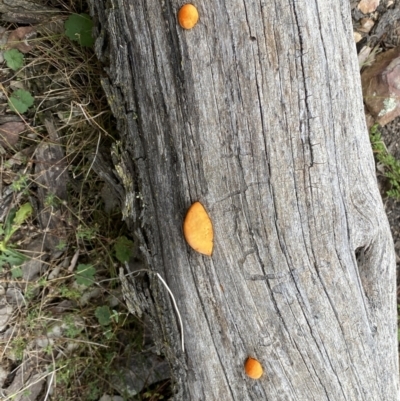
[198, 230]
[253, 368]
[188, 16]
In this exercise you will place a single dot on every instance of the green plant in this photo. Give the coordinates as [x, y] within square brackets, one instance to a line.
[32, 318]
[16, 272]
[86, 233]
[123, 248]
[30, 291]
[20, 101]
[389, 162]
[51, 200]
[18, 346]
[94, 392]
[72, 326]
[103, 315]
[85, 274]
[69, 293]
[13, 222]
[78, 27]
[14, 59]
[21, 183]
[62, 245]
[48, 349]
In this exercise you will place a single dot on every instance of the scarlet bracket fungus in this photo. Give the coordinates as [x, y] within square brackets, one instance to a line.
[253, 368]
[198, 229]
[188, 16]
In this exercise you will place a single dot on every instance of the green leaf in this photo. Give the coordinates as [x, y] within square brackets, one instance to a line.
[85, 274]
[79, 27]
[103, 315]
[62, 245]
[115, 316]
[390, 164]
[16, 272]
[9, 221]
[20, 101]
[16, 219]
[14, 59]
[108, 334]
[123, 248]
[22, 214]
[13, 258]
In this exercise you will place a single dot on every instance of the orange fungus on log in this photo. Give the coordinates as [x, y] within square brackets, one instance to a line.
[188, 16]
[253, 368]
[198, 229]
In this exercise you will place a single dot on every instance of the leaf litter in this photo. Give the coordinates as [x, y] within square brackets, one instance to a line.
[64, 326]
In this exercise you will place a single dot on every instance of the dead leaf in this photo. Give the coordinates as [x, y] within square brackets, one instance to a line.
[21, 157]
[357, 36]
[363, 55]
[366, 25]
[381, 86]
[18, 38]
[368, 6]
[9, 133]
[14, 85]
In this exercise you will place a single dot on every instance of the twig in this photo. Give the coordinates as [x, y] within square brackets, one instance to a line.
[172, 297]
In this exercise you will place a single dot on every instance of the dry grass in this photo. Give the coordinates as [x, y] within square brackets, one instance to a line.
[68, 325]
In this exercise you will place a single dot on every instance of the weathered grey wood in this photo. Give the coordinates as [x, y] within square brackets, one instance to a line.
[25, 12]
[257, 112]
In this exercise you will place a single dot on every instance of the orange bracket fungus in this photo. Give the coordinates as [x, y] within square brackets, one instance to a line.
[198, 229]
[188, 16]
[253, 368]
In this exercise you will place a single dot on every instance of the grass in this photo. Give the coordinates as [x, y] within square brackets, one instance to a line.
[390, 168]
[388, 163]
[70, 321]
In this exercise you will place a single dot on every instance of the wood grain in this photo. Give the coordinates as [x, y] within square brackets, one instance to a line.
[257, 113]
[25, 11]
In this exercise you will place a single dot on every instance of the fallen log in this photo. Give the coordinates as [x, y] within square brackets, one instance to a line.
[256, 112]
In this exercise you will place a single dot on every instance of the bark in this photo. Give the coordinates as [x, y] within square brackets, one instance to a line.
[25, 12]
[257, 113]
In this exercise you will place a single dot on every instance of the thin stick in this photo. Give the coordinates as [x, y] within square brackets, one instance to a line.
[94, 158]
[171, 295]
[49, 387]
[176, 308]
